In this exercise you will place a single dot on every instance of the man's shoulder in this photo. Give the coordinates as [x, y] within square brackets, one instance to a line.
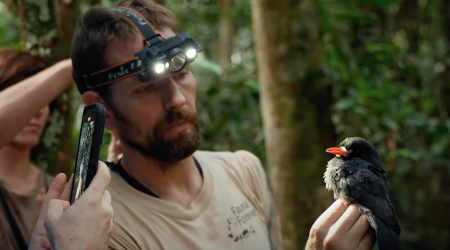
[242, 164]
[239, 158]
[212, 154]
[118, 186]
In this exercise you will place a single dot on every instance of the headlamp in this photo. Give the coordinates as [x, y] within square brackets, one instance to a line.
[159, 56]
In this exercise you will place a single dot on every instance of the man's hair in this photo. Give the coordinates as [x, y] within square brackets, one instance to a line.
[17, 65]
[99, 26]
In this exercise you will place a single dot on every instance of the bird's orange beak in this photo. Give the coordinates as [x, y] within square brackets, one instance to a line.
[337, 151]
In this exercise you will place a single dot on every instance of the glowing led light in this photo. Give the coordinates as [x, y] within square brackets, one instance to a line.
[191, 53]
[159, 68]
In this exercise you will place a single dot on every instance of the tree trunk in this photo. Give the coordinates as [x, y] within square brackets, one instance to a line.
[444, 86]
[408, 19]
[226, 34]
[66, 19]
[225, 48]
[296, 103]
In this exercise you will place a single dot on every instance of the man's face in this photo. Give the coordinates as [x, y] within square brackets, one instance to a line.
[157, 118]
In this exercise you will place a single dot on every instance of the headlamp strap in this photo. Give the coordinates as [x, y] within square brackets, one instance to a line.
[142, 26]
[115, 72]
[132, 66]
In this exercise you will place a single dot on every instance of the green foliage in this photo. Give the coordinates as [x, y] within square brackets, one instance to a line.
[9, 29]
[229, 112]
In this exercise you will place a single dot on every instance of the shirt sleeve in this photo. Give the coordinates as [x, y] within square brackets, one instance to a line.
[255, 177]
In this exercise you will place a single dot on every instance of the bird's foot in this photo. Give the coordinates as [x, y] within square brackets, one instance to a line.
[363, 209]
[368, 213]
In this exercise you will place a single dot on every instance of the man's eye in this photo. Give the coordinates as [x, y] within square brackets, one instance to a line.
[181, 74]
[147, 88]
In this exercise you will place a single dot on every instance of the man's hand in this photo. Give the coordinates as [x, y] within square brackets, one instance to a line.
[85, 225]
[341, 227]
[39, 238]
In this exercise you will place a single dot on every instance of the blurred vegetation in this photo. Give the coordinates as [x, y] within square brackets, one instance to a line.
[386, 60]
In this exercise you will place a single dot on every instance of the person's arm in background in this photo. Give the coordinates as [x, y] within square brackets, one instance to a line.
[86, 225]
[19, 103]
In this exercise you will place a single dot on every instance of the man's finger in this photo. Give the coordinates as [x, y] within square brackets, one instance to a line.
[360, 228]
[106, 199]
[55, 189]
[349, 218]
[367, 241]
[53, 193]
[100, 182]
[332, 214]
[54, 210]
[66, 195]
[65, 205]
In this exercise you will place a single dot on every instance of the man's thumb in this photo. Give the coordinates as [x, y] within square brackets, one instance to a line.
[55, 208]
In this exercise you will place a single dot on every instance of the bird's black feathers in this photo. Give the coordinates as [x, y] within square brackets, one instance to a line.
[386, 238]
[360, 178]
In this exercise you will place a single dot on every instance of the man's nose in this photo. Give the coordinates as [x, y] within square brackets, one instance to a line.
[174, 97]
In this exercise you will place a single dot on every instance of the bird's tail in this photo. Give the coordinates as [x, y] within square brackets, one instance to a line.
[386, 238]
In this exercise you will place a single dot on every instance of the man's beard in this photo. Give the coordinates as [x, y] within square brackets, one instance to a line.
[171, 150]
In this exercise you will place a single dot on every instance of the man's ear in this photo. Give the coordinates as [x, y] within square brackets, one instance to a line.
[90, 97]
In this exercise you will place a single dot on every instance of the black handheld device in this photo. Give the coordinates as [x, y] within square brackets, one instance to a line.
[89, 142]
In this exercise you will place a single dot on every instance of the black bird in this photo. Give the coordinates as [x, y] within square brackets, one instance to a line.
[356, 175]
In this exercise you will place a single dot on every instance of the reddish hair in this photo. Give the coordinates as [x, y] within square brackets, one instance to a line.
[17, 65]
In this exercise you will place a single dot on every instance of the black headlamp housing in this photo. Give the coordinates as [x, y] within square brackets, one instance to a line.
[159, 56]
[167, 56]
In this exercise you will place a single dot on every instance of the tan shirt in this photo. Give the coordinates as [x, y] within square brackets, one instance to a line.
[232, 211]
[25, 209]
